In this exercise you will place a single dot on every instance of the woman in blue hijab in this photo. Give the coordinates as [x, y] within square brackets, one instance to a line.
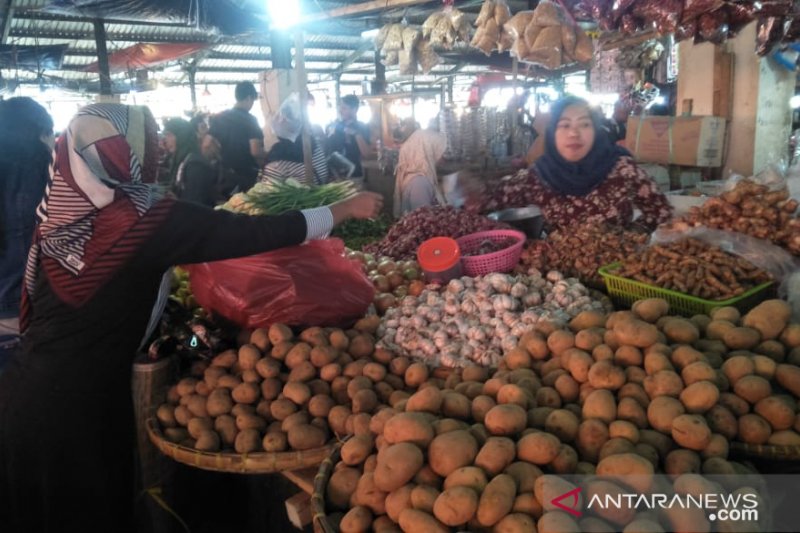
[582, 176]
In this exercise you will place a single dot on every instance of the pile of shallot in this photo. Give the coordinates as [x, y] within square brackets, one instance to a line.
[413, 229]
[477, 320]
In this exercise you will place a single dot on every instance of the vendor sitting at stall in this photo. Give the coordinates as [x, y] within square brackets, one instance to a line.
[416, 183]
[582, 177]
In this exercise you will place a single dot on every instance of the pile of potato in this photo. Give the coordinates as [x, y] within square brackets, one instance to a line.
[693, 267]
[753, 209]
[278, 392]
[579, 251]
[633, 393]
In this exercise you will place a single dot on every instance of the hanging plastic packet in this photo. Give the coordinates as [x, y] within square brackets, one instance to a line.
[686, 30]
[694, 8]
[666, 14]
[620, 8]
[629, 25]
[712, 27]
[739, 16]
[768, 33]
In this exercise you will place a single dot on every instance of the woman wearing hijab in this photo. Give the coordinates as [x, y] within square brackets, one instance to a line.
[582, 177]
[94, 287]
[416, 184]
[285, 158]
[26, 151]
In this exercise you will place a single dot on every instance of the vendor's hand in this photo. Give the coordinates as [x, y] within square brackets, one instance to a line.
[361, 206]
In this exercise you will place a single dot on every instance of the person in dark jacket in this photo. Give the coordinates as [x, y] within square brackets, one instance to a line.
[95, 281]
[26, 146]
[196, 166]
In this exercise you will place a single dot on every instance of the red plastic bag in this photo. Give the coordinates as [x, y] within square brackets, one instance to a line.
[308, 285]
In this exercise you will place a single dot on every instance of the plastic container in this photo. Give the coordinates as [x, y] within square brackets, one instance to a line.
[624, 291]
[501, 261]
[440, 259]
[527, 219]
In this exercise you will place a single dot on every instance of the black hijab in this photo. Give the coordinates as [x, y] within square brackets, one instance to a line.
[286, 150]
[582, 177]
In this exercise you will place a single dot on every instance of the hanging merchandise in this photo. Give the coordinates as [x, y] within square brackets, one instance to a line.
[606, 75]
[488, 36]
[447, 27]
[641, 56]
[548, 37]
[448, 124]
[406, 46]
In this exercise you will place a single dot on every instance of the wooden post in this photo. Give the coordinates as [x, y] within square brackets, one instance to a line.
[102, 57]
[8, 15]
[379, 85]
[300, 64]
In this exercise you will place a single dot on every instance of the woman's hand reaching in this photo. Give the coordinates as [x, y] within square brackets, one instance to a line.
[361, 206]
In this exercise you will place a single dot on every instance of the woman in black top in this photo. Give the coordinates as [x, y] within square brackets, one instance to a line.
[100, 251]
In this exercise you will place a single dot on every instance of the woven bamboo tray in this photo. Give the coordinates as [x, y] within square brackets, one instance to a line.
[766, 451]
[249, 463]
[318, 513]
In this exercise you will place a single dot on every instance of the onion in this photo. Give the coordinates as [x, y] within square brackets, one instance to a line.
[381, 283]
[395, 279]
[386, 266]
[384, 301]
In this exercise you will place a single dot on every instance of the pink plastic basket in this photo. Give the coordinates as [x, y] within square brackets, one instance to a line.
[502, 261]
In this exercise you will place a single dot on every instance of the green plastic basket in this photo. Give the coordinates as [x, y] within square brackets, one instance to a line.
[624, 291]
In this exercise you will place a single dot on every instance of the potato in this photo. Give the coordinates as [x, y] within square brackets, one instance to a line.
[741, 338]
[455, 405]
[356, 449]
[606, 375]
[592, 434]
[379, 419]
[243, 409]
[496, 454]
[248, 356]
[560, 340]
[662, 411]
[698, 371]
[588, 339]
[398, 500]
[557, 522]
[197, 426]
[682, 461]
[423, 497]
[341, 486]
[358, 424]
[443, 425]
[684, 355]
[426, 476]
[717, 447]
[626, 356]
[306, 437]
[450, 451]
[656, 362]
[563, 424]
[408, 427]
[635, 332]
[496, 500]
[416, 374]
[624, 430]
[357, 520]
[225, 359]
[605, 352]
[365, 401]
[247, 441]
[567, 388]
[511, 393]
[699, 397]
[412, 520]
[650, 309]
[769, 318]
[785, 437]
[505, 420]
[319, 355]
[753, 429]
[279, 333]
[197, 405]
[736, 405]
[516, 522]
[681, 331]
[538, 448]
[166, 416]
[752, 388]
[721, 420]
[177, 435]
[186, 386]
[361, 346]
[788, 376]
[271, 388]
[467, 476]
[397, 465]
[208, 441]
[779, 411]
[629, 468]
[428, 400]
[305, 371]
[456, 506]
[600, 404]
[566, 460]
[691, 432]
[517, 358]
[369, 495]
[548, 397]
[631, 411]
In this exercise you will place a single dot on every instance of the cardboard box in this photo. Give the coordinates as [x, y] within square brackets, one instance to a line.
[688, 141]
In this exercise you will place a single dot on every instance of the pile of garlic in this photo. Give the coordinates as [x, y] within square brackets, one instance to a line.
[477, 320]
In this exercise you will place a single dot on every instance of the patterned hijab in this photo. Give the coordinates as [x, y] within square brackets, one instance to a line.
[100, 205]
[418, 157]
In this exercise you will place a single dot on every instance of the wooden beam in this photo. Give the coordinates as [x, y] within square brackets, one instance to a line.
[102, 57]
[361, 9]
[352, 58]
[5, 23]
[302, 87]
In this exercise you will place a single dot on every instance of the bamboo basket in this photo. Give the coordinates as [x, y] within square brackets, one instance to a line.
[770, 452]
[235, 463]
[318, 513]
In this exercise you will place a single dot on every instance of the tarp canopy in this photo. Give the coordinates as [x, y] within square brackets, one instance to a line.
[227, 16]
[32, 57]
[144, 55]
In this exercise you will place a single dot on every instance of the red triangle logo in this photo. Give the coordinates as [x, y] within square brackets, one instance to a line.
[571, 498]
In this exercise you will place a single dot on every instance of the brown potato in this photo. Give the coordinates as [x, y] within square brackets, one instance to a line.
[600, 404]
[505, 420]
[563, 424]
[306, 437]
[398, 500]
[496, 454]
[423, 497]
[741, 338]
[650, 309]
[631, 411]
[753, 429]
[691, 432]
[247, 441]
[415, 520]
[397, 465]
[409, 427]
[699, 397]
[456, 506]
[631, 469]
[497, 500]
[788, 376]
[538, 448]
[466, 476]
[450, 451]
[428, 400]
[592, 434]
